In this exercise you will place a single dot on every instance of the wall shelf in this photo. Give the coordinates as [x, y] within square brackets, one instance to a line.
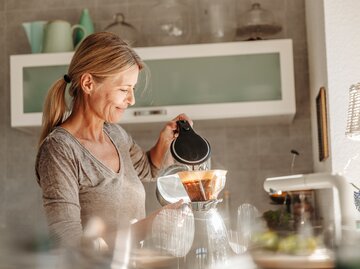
[250, 80]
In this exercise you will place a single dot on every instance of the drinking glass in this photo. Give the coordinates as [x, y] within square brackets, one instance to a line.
[173, 231]
[217, 20]
[247, 225]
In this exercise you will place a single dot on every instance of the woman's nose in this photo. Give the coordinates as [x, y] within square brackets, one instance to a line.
[130, 97]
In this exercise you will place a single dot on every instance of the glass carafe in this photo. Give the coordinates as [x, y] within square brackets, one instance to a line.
[257, 23]
[217, 20]
[124, 29]
[168, 23]
[211, 244]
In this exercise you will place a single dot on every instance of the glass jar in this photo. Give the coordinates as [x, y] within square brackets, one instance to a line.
[302, 209]
[257, 23]
[168, 23]
[124, 29]
[217, 21]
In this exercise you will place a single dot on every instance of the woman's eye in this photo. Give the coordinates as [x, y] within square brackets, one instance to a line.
[124, 90]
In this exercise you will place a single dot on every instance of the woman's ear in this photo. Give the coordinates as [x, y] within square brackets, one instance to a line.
[87, 83]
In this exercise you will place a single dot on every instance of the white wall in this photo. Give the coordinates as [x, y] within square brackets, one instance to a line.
[314, 11]
[342, 31]
[333, 34]
[333, 30]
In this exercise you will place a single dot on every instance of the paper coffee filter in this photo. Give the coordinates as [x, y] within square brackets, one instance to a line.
[187, 176]
[203, 185]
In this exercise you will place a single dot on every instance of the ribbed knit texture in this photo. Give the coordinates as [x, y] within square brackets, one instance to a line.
[77, 186]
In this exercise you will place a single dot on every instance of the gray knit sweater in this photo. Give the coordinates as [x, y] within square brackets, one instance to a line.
[77, 186]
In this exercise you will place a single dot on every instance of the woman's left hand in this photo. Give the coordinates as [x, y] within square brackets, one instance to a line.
[143, 227]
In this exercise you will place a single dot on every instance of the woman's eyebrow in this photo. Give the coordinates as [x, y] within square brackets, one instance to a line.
[127, 85]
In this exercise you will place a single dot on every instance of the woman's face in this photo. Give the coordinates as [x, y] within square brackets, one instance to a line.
[111, 97]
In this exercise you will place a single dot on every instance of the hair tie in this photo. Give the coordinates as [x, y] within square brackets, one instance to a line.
[67, 78]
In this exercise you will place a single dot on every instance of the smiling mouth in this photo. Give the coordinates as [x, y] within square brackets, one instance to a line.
[121, 108]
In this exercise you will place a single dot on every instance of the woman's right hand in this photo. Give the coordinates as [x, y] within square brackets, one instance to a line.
[170, 131]
[167, 135]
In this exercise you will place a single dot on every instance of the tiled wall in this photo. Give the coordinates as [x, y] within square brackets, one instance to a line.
[249, 153]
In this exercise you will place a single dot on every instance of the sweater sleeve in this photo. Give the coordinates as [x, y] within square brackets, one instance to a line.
[142, 162]
[57, 177]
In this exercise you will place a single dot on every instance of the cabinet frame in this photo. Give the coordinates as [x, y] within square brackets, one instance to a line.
[277, 110]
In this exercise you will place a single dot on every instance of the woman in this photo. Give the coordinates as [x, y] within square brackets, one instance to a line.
[87, 165]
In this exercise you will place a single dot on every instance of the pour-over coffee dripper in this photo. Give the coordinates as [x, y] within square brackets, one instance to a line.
[211, 243]
[200, 190]
[202, 186]
[191, 179]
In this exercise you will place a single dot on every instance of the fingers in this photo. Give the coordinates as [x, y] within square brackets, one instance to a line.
[183, 116]
[172, 125]
[170, 130]
[176, 205]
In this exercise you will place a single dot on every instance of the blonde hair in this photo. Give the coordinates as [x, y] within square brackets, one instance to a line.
[101, 55]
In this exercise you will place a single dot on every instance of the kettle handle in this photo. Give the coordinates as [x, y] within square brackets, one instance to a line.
[82, 28]
[183, 126]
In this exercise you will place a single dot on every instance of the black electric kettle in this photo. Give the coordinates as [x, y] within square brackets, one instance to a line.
[191, 152]
[189, 148]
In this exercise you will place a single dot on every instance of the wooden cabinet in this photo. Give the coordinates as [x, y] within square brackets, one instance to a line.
[248, 80]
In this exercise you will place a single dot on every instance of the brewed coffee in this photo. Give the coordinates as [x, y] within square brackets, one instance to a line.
[199, 190]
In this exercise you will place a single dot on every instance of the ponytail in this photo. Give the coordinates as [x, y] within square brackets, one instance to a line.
[54, 108]
[101, 54]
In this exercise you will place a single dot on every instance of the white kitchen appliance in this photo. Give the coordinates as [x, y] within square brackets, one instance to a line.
[346, 218]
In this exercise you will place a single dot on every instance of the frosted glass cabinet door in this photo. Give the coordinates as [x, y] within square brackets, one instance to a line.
[252, 80]
[31, 75]
[207, 81]
[211, 80]
[36, 85]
